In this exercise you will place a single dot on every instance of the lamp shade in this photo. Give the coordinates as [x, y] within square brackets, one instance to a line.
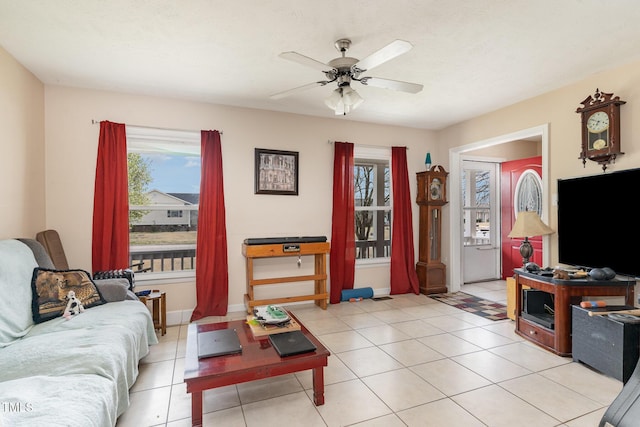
[335, 98]
[529, 224]
[351, 98]
[343, 100]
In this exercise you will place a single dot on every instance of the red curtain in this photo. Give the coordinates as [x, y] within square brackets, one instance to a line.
[343, 252]
[212, 272]
[110, 248]
[404, 278]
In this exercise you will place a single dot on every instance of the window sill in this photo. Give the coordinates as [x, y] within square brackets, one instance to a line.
[149, 279]
[371, 263]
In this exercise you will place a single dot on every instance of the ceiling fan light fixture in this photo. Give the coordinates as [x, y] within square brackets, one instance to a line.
[343, 100]
[344, 70]
[334, 99]
[351, 98]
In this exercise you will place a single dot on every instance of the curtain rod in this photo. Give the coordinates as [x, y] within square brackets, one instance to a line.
[97, 122]
[330, 142]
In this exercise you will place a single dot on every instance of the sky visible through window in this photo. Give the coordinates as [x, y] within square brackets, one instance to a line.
[174, 173]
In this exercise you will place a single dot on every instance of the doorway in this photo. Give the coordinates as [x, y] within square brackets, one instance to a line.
[480, 221]
[521, 187]
[456, 155]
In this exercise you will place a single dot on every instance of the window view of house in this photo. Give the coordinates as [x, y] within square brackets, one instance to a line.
[372, 191]
[164, 185]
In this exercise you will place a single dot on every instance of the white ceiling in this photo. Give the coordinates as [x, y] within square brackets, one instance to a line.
[472, 56]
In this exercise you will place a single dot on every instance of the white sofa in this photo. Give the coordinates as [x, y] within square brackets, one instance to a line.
[61, 372]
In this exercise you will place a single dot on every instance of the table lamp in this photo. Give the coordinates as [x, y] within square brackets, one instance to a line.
[528, 224]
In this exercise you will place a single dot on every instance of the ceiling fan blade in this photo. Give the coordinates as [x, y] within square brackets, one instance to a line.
[305, 60]
[392, 84]
[390, 51]
[286, 93]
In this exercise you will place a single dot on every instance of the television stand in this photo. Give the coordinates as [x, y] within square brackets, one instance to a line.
[565, 293]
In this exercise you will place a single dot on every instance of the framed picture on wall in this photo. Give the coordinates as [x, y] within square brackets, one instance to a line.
[276, 172]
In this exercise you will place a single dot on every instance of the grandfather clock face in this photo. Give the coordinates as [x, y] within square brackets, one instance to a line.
[435, 189]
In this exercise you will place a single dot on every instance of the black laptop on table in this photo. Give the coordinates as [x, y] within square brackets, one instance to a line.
[290, 343]
[220, 342]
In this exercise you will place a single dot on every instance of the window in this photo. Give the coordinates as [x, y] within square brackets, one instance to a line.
[528, 193]
[372, 192]
[164, 192]
[476, 192]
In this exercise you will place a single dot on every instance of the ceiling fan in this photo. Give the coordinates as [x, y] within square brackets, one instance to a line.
[344, 70]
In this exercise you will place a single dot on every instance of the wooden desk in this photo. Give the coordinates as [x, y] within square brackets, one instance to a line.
[565, 293]
[257, 361]
[318, 250]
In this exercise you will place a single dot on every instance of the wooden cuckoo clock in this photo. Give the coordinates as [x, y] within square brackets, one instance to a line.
[600, 115]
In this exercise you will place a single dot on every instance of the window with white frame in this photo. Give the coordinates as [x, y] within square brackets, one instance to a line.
[164, 193]
[373, 203]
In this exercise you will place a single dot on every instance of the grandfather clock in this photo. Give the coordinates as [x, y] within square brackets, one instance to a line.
[432, 196]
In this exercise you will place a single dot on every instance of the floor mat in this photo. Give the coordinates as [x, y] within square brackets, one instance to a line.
[488, 309]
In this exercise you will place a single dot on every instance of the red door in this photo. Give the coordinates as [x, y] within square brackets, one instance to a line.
[510, 175]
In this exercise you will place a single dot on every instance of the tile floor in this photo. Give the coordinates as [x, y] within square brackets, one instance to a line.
[407, 361]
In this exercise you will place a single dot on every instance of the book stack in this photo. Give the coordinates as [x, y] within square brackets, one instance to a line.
[271, 319]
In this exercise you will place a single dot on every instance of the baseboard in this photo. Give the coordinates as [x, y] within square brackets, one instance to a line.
[174, 318]
[183, 317]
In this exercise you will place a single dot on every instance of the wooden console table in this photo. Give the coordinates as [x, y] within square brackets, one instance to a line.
[319, 250]
[565, 293]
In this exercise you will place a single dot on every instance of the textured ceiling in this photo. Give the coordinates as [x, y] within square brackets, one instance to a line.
[472, 56]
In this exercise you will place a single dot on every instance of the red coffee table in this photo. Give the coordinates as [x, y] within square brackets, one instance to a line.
[258, 360]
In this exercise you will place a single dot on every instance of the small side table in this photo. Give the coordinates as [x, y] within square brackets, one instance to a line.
[159, 309]
[607, 345]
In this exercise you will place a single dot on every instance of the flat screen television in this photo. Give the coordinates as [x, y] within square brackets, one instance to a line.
[598, 221]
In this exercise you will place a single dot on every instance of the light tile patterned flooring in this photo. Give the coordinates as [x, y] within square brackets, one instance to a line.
[407, 361]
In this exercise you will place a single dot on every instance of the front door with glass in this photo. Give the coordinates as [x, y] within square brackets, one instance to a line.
[481, 227]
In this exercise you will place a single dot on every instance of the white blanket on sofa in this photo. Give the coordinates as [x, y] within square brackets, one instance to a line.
[106, 341]
[16, 270]
[24, 404]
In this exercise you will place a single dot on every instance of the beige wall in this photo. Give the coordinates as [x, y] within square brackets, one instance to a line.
[557, 108]
[49, 142]
[22, 166]
[71, 152]
[509, 151]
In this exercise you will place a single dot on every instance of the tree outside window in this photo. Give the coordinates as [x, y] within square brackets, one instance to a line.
[164, 192]
[372, 208]
[476, 209]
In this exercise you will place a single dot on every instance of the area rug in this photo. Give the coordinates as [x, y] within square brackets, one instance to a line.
[488, 309]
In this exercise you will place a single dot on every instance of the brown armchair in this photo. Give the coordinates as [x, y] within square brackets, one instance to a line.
[50, 240]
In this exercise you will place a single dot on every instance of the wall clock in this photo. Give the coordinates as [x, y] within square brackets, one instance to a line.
[600, 123]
